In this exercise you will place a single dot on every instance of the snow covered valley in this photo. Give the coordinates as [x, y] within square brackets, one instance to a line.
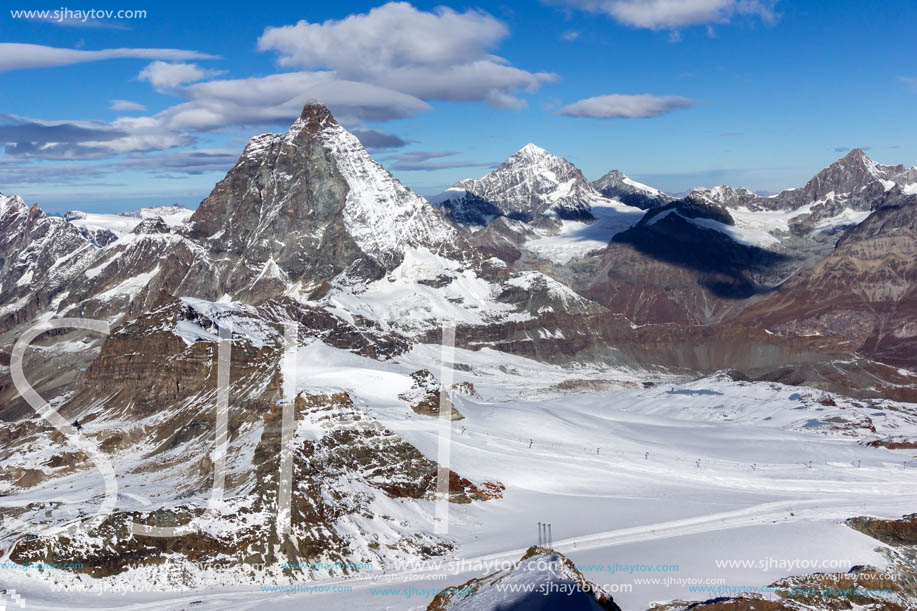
[643, 470]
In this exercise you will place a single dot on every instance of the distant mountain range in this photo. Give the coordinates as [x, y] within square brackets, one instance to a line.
[810, 286]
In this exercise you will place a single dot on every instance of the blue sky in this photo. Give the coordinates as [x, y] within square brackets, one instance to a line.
[111, 114]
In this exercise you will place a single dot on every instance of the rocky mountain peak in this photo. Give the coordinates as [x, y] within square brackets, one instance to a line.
[11, 203]
[311, 203]
[531, 183]
[852, 174]
[855, 154]
[722, 195]
[533, 151]
[615, 185]
[314, 117]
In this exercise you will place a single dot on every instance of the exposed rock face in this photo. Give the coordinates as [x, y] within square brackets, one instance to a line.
[686, 261]
[37, 256]
[854, 182]
[529, 184]
[150, 394]
[304, 214]
[615, 185]
[306, 206]
[335, 480]
[890, 532]
[503, 238]
[553, 583]
[865, 290]
[307, 231]
[425, 394]
[668, 269]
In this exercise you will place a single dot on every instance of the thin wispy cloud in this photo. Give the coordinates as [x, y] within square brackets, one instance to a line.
[126, 105]
[426, 161]
[620, 106]
[844, 149]
[191, 162]
[165, 76]
[671, 14]
[19, 56]
[84, 140]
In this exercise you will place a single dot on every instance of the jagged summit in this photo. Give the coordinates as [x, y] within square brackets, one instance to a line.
[856, 153]
[11, 202]
[532, 150]
[313, 203]
[530, 183]
[314, 117]
[615, 185]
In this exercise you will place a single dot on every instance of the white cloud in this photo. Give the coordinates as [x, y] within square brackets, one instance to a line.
[279, 98]
[439, 55]
[165, 76]
[618, 106]
[197, 161]
[569, 36]
[125, 105]
[33, 138]
[425, 161]
[668, 14]
[17, 56]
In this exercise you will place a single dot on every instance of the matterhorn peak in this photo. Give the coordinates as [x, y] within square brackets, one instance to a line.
[314, 117]
[313, 203]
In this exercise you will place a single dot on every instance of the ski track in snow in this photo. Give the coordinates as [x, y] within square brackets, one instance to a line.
[666, 498]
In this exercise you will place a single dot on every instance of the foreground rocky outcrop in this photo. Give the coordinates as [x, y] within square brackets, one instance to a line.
[542, 579]
[427, 396]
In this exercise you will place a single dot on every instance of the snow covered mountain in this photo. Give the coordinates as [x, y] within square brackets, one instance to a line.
[306, 230]
[708, 256]
[840, 196]
[308, 233]
[865, 289]
[542, 579]
[307, 206]
[535, 207]
[38, 254]
[103, 229]
[530, 184]
[615, 185]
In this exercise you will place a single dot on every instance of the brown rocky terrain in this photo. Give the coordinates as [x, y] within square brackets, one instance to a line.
[427, 396]
[864, 291]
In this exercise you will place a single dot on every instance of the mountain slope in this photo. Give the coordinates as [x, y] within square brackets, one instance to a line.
[306, 206]
[615, 185]
[536, 211]
[706, 257]
[530, 184]
[865, 290]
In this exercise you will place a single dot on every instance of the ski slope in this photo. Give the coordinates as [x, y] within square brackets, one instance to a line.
[683, 473]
